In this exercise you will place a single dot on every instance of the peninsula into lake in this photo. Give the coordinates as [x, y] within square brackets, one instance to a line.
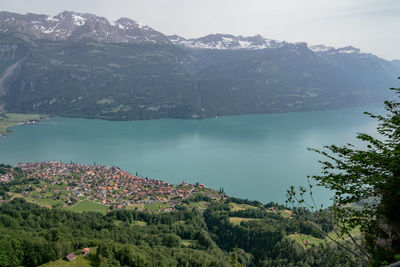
[8, 120]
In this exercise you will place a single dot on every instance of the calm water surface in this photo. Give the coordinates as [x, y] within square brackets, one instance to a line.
[256, 157]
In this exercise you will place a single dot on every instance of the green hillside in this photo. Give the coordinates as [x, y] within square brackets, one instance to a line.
[217, 236]
[131, 81]
[8, 120]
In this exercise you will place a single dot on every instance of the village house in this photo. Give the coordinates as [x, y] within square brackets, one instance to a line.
[70, 257]
[85, 251]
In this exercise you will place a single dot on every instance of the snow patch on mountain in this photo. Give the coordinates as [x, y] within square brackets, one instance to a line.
[348, 50]
[257, 42]
[78, 20]
[331, 50]
[225, 41]
[321, 48]
[52, 19]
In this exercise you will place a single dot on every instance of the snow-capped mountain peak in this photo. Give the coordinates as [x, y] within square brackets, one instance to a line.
[75, 26]
[225, 41]
[331, 50]
[125, 23]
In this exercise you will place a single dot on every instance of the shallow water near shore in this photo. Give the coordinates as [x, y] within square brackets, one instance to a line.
[256, 156]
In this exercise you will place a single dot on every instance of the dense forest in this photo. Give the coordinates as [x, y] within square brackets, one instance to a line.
[32, 235]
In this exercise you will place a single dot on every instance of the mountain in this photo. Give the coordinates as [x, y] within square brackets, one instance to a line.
[396, 63]
[226, 41]
[77, 26]
[82, 65]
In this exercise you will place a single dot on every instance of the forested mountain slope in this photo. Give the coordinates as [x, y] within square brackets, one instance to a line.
[82, 65]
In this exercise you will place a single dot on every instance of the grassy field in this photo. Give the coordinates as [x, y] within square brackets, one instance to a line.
[87, 205]
[155, 206]
[354, 233]
[80, 261]
[45, 202]
[238, 220]
[285, 213]
[236, 206]
[134, 206]
[300, 238]
[139, 223]
[133, 224]
[11, 119]
[200, 205]
[14, 195]
[188, 242]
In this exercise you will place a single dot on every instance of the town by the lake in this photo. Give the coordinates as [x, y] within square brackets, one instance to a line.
[57, 184]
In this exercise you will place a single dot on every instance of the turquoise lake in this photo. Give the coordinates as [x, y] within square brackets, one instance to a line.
[256, 157]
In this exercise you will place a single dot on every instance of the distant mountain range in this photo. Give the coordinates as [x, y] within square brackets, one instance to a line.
[83, 65]
[71, 26]
[226, 41]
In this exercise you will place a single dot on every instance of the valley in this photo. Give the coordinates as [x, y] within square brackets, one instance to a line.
[125, 145]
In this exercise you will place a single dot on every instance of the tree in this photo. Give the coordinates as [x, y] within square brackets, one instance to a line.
[366, 187]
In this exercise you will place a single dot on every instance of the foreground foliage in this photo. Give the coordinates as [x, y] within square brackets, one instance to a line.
[366, 186]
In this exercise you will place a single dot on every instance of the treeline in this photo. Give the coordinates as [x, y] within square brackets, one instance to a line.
[4, 168]
[254, 203]
[115, 254]
[254, 213]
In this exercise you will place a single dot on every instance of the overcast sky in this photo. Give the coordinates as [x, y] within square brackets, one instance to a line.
[371, 25]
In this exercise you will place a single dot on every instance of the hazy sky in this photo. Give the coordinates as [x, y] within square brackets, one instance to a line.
[371, 25]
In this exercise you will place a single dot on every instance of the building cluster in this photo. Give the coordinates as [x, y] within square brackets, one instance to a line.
[108, 185]
[6, 177]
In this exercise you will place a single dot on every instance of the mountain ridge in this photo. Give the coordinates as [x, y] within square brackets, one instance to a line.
[77, 26]
[82, 65]
[63, 25]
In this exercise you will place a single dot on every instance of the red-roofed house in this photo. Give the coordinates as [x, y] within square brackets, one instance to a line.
[85, 251]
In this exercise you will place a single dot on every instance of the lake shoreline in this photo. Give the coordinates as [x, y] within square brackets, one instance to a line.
[215, 116]
[255, 157]
[7, 131]
[9, 120]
